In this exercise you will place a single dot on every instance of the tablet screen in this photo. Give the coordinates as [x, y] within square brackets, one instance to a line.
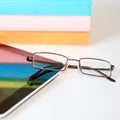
[14, 71]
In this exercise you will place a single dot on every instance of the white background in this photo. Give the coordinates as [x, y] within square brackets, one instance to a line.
[72, 95]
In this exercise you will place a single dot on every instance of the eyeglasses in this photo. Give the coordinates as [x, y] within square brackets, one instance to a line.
[56, 62]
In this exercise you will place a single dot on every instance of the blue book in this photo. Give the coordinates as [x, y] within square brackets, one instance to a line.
[46, 7]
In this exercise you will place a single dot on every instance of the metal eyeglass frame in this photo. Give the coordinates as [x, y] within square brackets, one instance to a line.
[63, 67]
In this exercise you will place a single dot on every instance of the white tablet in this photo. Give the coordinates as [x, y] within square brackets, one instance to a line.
[14, 71]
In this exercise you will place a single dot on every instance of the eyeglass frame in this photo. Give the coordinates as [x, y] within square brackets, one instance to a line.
[30, 58]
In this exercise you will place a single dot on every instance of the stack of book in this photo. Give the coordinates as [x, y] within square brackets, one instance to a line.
[45, 21]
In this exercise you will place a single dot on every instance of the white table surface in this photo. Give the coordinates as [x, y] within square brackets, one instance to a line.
[72, 95]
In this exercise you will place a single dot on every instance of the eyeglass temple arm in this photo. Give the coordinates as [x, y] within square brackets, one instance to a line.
[109, 78]
[90, 68]
[29, 58]
[36, 75]
[86, 67]
[39, 73]
[98, 70]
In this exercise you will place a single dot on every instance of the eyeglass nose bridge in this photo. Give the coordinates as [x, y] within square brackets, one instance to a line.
[73, 66]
